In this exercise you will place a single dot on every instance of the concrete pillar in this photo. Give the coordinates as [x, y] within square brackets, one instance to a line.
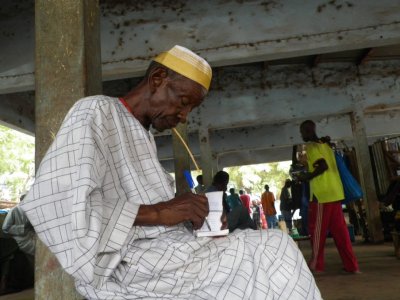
[215, 163]
[68, 67]
[181, 159]
[207, 161]
[366, 177]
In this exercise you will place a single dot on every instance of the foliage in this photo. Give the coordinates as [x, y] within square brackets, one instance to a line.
[253, 178]
[17, 151]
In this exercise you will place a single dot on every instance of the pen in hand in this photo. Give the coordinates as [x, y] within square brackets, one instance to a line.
[190, 182]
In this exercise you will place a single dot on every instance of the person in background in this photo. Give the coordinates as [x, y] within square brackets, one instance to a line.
[17, 252]
[256, 214]
[286, 203]
[245, 200]
[268, 204]
[220, 183]
[200, 188]
[305, 199]
[233, 199]
[237, 216]
[17, 225]
[326, 194]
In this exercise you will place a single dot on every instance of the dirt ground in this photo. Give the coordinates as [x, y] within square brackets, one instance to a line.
[380, 278]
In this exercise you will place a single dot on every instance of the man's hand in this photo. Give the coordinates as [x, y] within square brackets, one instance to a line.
[187, 207]
[320, 166]
[224, 221]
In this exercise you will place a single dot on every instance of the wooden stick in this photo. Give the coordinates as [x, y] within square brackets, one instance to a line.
[187, 148]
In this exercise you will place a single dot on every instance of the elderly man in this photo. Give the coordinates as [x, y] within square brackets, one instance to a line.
[106, 208]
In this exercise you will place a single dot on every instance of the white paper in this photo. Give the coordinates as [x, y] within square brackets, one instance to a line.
[214, 217]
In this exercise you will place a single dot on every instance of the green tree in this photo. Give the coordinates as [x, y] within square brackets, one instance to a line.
[253, 177]
[17, 151]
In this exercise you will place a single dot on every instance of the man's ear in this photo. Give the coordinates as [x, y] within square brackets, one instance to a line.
[156, 78]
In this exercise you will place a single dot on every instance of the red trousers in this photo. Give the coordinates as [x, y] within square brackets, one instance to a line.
[329, 217]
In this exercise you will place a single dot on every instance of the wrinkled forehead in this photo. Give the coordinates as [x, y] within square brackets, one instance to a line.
[187, 86]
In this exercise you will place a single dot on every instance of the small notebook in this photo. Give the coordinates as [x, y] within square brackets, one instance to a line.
[214, 217]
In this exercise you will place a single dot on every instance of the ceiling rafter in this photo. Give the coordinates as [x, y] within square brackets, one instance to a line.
[366, 56]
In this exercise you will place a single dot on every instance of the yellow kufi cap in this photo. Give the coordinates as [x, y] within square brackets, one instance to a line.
[187, 63]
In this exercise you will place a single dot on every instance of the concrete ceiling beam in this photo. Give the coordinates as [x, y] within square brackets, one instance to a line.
[17, 111]
[225, 32]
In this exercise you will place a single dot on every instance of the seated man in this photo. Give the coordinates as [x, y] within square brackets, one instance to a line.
[233, 199]
[236, 215]
[17, 225]
[200, 188]
[106, 208]
[17, 250]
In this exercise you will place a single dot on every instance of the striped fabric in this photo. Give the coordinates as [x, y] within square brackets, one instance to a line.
[100, 168]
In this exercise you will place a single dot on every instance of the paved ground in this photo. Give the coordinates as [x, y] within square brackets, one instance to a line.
[380, 279]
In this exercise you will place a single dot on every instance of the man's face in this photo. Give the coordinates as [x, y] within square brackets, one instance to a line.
[307, 132]
[222, 186]
[173, 100]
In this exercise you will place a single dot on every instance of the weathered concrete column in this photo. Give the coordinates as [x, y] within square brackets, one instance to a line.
[366, 176]
[215, 163]
[207, 162]
[181, 159]
[68, 67]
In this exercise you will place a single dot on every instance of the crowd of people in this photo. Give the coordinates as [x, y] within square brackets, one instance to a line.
[317, 191]
[262, 211]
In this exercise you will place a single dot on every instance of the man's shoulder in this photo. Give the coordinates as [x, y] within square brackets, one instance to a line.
[96, 102]
[211, 188]
[13, 210]
[10, 213]
[315, 145]
[88, 109]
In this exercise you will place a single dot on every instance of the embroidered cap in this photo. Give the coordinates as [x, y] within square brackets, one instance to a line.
[187, 63]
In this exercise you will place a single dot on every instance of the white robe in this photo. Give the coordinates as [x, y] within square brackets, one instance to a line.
[100, 168]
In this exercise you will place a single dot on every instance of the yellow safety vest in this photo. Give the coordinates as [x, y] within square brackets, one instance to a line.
[328, 186]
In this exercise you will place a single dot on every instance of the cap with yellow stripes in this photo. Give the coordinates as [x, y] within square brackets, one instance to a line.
[187, 63]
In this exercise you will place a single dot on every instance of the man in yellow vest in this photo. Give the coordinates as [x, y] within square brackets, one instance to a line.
[326, 193]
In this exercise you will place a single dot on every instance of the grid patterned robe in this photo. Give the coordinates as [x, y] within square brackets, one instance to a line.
[100, 168]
